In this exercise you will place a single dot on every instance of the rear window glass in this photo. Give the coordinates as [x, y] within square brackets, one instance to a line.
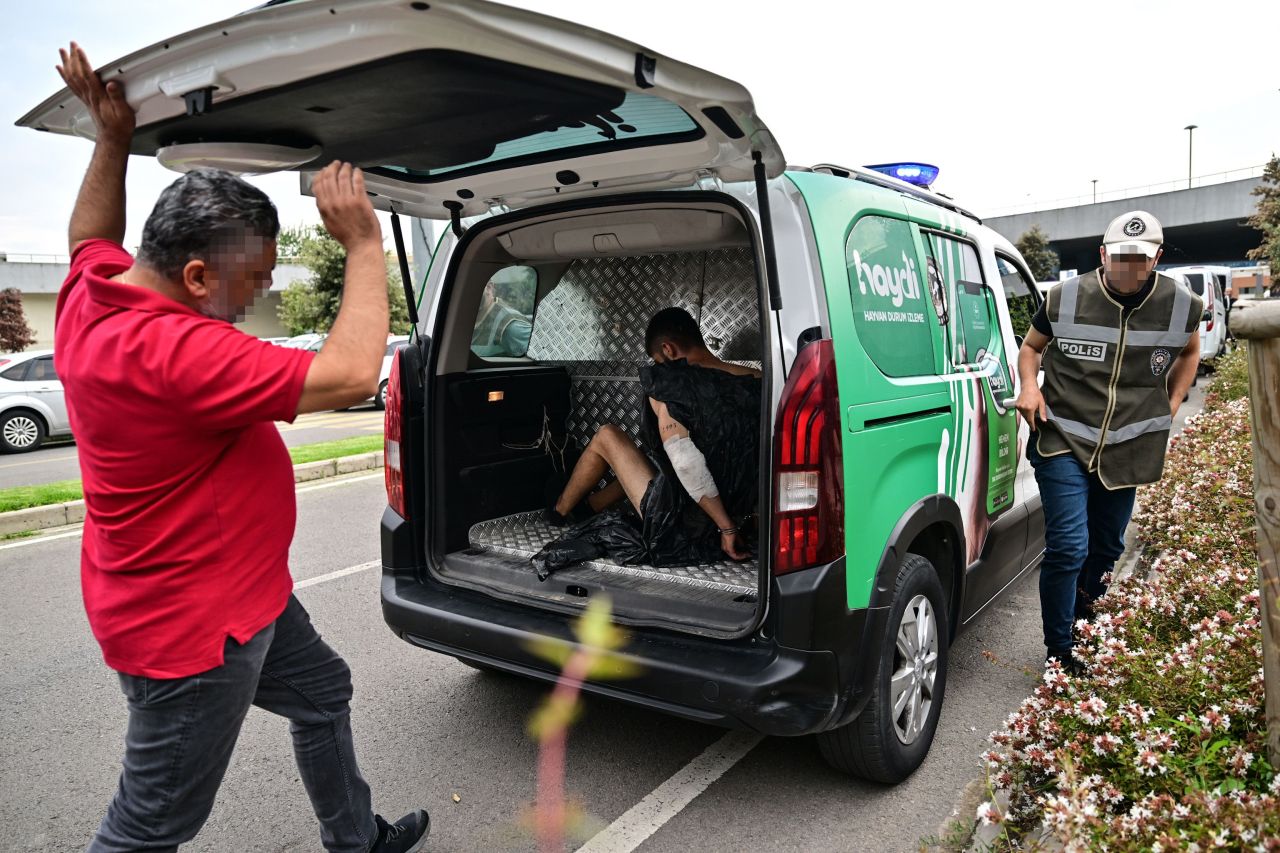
[639, 117]
[504, 322]
[17, 372]
[1196, 280]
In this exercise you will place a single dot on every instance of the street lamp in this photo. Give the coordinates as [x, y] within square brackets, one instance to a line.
[1190, 129]
[1095, 190]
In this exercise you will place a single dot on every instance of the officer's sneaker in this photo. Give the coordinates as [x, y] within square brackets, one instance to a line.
[407, 835]
[1071, 665]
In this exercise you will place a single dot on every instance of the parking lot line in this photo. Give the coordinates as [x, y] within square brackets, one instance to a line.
[333, 576]
[667, 800]
[43, 460]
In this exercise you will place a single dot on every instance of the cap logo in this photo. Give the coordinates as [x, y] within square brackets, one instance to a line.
[1135, 227]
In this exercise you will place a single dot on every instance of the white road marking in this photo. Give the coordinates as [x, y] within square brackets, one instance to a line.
[37, 539]
[43, 460]
[667, 800]
[333, 576]
[327, 484]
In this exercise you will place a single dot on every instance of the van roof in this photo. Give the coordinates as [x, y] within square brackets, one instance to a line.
[856, 173]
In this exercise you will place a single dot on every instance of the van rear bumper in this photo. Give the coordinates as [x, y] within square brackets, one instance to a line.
[756, 683]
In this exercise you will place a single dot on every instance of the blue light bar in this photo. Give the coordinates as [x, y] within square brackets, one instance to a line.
[920, 174]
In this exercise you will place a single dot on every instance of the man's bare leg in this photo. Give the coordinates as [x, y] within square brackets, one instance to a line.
[606, 497]
[610, 448]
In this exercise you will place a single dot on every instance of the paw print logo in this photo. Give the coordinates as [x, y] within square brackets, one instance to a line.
[1134, 227]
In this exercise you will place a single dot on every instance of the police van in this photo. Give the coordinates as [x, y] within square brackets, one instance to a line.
[597, 182]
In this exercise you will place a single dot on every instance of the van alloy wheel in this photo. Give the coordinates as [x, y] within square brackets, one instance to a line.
[915, 668]
[891, 735]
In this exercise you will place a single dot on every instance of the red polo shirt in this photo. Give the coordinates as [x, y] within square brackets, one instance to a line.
[188, 487]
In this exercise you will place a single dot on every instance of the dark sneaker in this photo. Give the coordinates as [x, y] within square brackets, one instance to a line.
[1070, 664]
[407, 835]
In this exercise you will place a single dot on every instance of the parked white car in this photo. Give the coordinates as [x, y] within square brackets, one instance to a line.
[394, 342]
[33, 406]
[1209, 283]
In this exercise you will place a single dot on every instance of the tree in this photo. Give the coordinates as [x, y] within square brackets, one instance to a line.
[15, 334]
[1267, 217]
[1034, 246]
[312, 305]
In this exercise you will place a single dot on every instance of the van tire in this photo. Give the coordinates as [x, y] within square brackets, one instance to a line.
[380, 398]
[870, 746]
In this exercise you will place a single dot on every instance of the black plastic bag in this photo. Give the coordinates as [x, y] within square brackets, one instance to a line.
[722, 413]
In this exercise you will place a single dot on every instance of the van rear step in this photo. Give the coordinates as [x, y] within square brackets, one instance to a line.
[717, 599]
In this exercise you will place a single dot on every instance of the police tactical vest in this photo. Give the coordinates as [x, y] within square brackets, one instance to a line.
[1106, 376]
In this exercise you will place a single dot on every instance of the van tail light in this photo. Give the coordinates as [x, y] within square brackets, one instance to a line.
[393, 429]
[809, 466]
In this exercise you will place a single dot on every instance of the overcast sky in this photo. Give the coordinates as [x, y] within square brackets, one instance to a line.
[1015, 101]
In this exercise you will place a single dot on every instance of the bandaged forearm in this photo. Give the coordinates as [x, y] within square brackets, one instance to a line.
[691, 468]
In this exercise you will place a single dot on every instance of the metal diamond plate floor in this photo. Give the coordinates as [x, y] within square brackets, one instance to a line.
[524, 534]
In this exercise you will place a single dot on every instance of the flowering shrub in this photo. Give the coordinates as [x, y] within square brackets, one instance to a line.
[1161, 744]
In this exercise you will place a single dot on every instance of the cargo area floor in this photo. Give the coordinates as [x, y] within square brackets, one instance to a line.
[716, 599]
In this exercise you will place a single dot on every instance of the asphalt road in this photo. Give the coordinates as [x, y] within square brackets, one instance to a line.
[428, 728]
[60, 461]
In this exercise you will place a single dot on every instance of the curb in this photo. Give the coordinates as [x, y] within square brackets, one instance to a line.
[72, 512]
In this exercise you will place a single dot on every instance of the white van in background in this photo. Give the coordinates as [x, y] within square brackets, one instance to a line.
[1209, 283]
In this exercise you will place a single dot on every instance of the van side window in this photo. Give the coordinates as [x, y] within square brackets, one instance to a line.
[891, 305]
[42, 370]
[1019, 293]
[504, 322]
[973, 326]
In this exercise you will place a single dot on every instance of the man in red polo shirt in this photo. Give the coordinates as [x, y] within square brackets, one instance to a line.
[189, 490]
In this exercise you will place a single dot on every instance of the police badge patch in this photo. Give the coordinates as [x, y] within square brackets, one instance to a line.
[1160, 361]
[1134, 227]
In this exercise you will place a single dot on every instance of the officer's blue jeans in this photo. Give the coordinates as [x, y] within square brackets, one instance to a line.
[1084, 526]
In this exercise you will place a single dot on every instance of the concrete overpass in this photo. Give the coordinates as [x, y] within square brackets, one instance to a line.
[1204, 224]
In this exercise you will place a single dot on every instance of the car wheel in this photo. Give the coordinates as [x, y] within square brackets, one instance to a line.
[21, 431]
[892, 735]
[380, 399]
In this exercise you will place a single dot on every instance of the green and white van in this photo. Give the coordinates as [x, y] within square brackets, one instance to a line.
[599, 182]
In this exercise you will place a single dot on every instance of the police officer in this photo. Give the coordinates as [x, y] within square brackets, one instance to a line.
[501, 329]
[1119, 348]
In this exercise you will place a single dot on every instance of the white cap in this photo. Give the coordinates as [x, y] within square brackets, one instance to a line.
[1134, 233]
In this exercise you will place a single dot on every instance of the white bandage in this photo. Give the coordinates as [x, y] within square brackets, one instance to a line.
[691, 468]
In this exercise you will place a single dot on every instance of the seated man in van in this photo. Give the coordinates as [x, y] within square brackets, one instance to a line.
[694, 482]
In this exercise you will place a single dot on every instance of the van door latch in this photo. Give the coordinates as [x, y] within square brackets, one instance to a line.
[199, 102]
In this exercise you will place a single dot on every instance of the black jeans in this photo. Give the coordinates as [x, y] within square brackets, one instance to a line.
[182, 731]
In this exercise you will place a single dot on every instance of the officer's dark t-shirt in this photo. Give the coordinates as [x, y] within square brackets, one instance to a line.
[1128, 302]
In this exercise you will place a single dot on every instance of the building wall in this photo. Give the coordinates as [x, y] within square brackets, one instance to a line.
[39, 308]
[1251, 282]
[40, 282]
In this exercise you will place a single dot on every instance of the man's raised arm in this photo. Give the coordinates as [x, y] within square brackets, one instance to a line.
[99, 210]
